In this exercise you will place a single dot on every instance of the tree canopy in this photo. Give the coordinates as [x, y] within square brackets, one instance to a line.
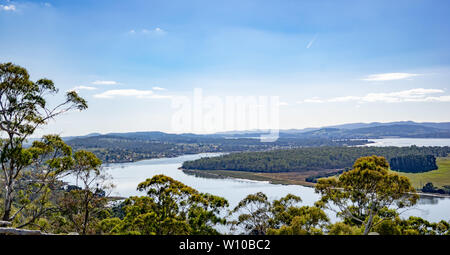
[24, 108]
[170, 207]
[367, 194]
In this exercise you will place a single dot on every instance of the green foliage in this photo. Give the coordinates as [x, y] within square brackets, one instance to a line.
[170, 208]
[366, 193]
[23, 109]
[126, 147]
[85, 207]
[412, 226]
[82, 211]
[414, 163]
[254, 214]
[47, 160]
[305, 159]
[439, 177]
[306, 220]
[430, 188]
[258, 216]
[341, 228]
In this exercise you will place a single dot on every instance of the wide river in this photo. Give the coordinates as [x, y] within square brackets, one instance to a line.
[126, 177]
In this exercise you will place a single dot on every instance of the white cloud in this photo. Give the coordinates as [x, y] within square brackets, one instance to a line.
[10, 7]
[158, 88]
[144, 31]
[130, 93]
[159, 30]
[390, 76]
[78, 88]
[411, 95]
[156, 30]
[105, 83]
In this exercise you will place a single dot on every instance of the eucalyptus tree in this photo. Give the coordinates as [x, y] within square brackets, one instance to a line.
[85, 206]
[253, 214]
[23, 109]
[169, 208]
[257, 215]
[367, 195]
[49, 159]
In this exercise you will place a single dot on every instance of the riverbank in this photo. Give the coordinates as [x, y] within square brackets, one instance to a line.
[285, 178]
[126, 177]
[288, 178]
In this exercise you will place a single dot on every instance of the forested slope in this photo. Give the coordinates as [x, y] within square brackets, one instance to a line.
[305, 159]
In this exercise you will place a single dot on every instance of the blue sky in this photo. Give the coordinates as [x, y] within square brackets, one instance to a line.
[330, 62]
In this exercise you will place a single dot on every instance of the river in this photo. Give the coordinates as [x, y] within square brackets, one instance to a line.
[127, 176]
[402, 142]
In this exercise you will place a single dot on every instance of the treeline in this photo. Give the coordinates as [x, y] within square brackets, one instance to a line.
[172, 208]
[117, 148]
[430, 188]
[306, 159]
[316, 177]
[413, 163]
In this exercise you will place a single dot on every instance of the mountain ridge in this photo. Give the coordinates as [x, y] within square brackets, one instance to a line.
[410, 129]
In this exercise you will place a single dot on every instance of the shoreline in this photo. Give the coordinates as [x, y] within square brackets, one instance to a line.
[221, 152]
[283, 178]
[256, 176]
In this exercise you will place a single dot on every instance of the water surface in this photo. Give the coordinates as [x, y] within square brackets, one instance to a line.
[404, 142]
[127, 176]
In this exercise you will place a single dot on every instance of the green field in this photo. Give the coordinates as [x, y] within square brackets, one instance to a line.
[439, 177]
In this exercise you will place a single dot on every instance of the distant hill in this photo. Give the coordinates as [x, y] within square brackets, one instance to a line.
[406, 129]
[392, 130]
[439, 125]
[131, 146]
[365, 130]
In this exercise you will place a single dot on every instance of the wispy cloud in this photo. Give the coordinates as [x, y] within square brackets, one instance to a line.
[158, 88]
[311, 42]
[9, 7]
[130, 93]
[78, 88]
[145, 31]
[312, 100]
[412, 95]
[389, 76]
[104, 82]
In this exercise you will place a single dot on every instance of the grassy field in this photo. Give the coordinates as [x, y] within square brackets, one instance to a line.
[439, 177]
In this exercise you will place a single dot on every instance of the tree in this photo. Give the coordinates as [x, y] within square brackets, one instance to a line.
[86, 206]
[255, 214]
[412, 226]
[170, 208]
[258, 216]
[414, 163]
[48, 160]
[340, 228]
[305, 220]
[368, 194]
[24, 108]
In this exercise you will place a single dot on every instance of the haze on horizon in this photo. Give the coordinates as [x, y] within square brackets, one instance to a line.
[329, 62]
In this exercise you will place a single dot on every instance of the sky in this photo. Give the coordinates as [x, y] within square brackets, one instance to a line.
[328, 62]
